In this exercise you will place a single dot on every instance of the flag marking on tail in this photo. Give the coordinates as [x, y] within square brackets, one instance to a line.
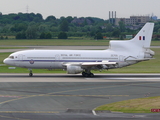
[141, 37]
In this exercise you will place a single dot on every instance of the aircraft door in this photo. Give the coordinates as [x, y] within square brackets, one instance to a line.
[20, 58]
[57, 58]
[57, 63]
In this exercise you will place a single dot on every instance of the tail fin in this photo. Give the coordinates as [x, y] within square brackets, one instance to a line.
[144, 36]
[141, 41]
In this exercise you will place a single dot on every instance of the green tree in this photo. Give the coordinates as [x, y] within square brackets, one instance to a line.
[18, 36]
[45, 36]
[69, 19]
[19, 27]
[99, 36]
[109, 28]
[62, 35]
[21, 35]
[50, 19]
[6, 37]
[31, 32]
[92, 33]
[122, 26]
[38, 18]
[116, 33]
[48, 36]
[64, 26]
[42, 36]
[1, 37]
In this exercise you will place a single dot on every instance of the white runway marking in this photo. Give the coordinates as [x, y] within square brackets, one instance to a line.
[126, 79]
[94, 113]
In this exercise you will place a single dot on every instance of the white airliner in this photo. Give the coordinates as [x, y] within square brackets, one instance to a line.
[121, 53]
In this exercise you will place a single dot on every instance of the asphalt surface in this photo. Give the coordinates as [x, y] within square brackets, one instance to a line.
[72, 97]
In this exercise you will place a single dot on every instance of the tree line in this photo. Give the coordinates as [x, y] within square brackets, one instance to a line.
[33, 26]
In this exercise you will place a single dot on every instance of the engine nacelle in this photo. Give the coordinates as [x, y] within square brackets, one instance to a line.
[74, 69]
[149, 53]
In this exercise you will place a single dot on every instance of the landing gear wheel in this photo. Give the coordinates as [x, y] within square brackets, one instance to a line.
[91, 75]
[84, 74]
[30, 74]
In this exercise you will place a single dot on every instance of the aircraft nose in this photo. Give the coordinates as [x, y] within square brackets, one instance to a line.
[4, 61]
[7, 62]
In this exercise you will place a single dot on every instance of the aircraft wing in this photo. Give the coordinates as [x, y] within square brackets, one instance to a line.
[98, 63]
[92, 64]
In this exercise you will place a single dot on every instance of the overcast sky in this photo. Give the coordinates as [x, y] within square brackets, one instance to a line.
[82, 8]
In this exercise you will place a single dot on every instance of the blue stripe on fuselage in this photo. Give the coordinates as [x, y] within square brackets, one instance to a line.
[60, 60]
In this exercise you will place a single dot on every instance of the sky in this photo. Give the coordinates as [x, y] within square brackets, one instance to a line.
[82, 8]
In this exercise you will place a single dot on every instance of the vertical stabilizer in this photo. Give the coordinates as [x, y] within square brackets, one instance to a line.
[144, 36]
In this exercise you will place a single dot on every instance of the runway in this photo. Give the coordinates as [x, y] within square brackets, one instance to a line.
[78, 78]
[70, 97]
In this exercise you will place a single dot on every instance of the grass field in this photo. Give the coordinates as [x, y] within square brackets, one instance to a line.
[151, 66]
[58, 42]
[141, 105]
[13, 47]
[53, 42]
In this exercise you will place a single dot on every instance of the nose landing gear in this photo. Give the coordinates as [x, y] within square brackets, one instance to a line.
[30, 73]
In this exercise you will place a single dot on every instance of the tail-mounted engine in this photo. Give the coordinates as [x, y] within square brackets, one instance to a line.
[149, 53]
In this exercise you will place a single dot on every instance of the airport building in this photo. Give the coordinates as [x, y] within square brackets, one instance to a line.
[133, 20]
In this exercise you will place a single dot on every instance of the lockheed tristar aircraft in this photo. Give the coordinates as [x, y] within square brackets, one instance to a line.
[120, 53]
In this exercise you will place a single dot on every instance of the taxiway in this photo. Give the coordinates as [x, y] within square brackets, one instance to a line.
[70, 97]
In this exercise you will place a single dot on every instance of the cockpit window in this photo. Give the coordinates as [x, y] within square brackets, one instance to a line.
[11, 57]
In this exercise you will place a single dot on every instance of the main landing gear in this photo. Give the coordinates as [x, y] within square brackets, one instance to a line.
[30, 73]
[85, 74]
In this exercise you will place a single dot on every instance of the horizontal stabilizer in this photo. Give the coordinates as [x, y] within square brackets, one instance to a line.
[91, 63]
[138, 60]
